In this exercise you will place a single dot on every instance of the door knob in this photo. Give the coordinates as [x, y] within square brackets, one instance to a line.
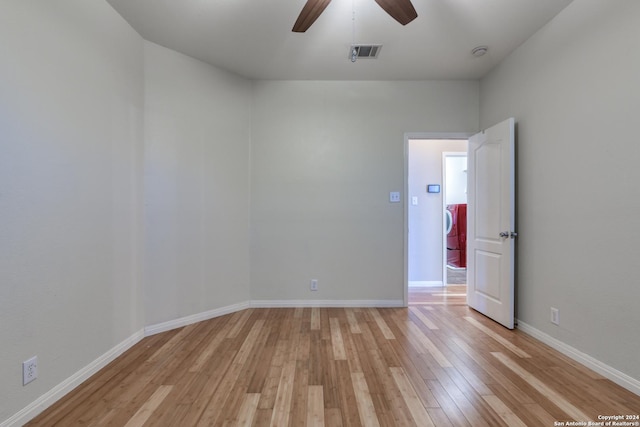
[507, 234]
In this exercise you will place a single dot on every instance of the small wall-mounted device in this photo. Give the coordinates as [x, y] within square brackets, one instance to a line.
[433, 188]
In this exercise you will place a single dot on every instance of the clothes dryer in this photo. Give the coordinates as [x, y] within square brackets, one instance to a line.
[457, 236]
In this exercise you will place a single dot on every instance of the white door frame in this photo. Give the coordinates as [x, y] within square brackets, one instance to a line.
[407, 137]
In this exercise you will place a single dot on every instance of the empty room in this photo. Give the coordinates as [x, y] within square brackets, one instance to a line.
[206, 213]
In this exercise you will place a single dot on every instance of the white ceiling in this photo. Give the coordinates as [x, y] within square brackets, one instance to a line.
[253, 38]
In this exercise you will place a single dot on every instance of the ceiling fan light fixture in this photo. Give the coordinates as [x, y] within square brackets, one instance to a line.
[479, 51]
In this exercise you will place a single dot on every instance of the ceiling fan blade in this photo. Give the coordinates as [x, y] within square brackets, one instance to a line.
[400, 10]
[310, 12]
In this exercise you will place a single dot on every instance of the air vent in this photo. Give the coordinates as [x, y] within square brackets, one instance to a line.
[365, 50]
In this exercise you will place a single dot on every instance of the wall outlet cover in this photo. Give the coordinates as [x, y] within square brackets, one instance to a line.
[29, 370]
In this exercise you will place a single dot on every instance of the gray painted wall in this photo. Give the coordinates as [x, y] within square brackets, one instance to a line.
[325, 156]
[71, 127]
[573, 89]
[197, 148]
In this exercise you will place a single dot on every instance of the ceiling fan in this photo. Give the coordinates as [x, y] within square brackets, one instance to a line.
[400, 10]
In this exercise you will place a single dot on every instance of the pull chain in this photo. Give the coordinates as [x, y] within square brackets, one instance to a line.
[354, 51]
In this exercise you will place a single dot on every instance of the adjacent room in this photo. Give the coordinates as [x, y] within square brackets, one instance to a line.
[207, 212]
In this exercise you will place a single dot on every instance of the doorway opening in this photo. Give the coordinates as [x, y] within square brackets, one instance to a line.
[454, 165]
[431, 272]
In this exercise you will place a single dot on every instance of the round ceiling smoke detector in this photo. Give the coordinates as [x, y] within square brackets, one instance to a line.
[479, 51]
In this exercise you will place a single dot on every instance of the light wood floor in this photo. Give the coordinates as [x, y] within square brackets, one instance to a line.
[436, 363]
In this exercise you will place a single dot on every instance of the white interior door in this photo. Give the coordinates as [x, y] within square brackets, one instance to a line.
[491, 222]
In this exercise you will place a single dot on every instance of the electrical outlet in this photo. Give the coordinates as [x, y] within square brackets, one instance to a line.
[555, 316]
[314, 285]
[394, 197]
[29, 370]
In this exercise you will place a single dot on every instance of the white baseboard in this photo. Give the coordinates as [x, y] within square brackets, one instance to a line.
[199, 317]
[66, 386]
[325, 303]
[194, 318]
[426, 284]
[620, 378]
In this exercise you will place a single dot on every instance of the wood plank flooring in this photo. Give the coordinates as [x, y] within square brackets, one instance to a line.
[437, 363]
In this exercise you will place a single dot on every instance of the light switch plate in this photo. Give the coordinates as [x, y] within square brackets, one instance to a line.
[394, 197]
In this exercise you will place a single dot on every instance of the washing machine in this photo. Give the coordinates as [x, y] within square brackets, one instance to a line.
[457, 235]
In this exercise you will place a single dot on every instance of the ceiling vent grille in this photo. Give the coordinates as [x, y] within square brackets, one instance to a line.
[365, 50]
